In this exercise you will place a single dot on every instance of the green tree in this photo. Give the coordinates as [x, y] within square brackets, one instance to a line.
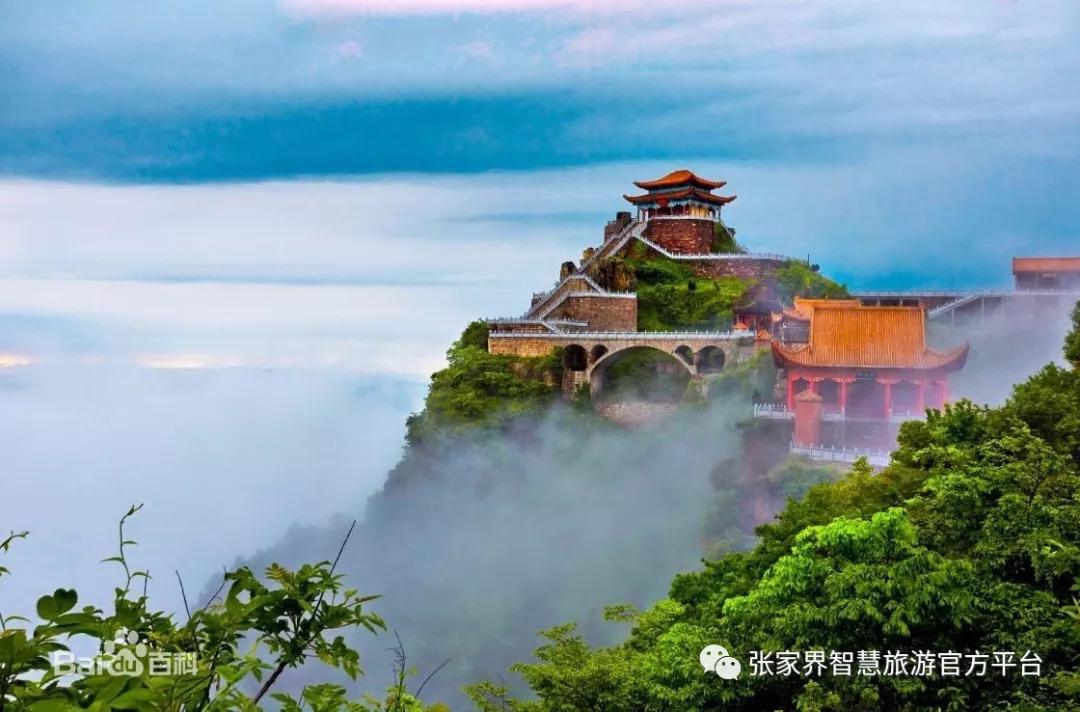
[968, 541]
[1072, 341]
[233, 650]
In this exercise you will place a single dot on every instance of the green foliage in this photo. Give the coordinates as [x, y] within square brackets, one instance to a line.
[795, 475]
[480, 389]
[969, 540]
[645, 374]
[724, 240]
[671, 298]
[236, 647]
[749, 381]
[1072, 341]
[799, 279]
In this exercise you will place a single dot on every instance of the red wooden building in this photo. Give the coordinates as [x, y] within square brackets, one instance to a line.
[866, 362]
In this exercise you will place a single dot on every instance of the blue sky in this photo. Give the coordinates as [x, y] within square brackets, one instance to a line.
[306, 198]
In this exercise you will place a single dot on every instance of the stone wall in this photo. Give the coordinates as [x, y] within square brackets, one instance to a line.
[519, 328]
[573, 284]
[741, 268]
[687, 237]
[602, 313]
[519, 347]
[616, 226]
[634, 414]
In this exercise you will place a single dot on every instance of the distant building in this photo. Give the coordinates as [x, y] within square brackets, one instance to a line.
[861, 364]
[681, 211]
[1049, 274]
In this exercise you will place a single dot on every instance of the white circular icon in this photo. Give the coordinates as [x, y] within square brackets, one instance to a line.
[715, 658]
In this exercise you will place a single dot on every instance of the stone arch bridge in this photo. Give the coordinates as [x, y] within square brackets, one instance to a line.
[587, 355]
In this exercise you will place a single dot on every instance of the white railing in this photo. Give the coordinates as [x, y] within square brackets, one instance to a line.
[569, 295]
[778, 411]
[636, 335]
[615, 243]
[538, 303]
[833, 414]
[526, 320]
[771, 256]
[822, 453]
[917, 293]
[955, 304]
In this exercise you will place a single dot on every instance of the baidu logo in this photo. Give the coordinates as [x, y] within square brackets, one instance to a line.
[715, 658]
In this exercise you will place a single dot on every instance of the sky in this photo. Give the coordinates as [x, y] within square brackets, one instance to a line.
[236, 238]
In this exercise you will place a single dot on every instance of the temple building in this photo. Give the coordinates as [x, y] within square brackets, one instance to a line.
[1047, 273]
[681, 211]
[861, 364]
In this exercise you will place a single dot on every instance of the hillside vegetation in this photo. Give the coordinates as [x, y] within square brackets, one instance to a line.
[969, 541]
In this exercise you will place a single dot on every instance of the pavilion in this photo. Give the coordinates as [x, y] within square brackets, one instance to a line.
[866, 362]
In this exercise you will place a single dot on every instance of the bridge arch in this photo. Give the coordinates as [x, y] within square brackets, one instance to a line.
[711, 359]
[575, 358]
[599, 373]
[685, 353]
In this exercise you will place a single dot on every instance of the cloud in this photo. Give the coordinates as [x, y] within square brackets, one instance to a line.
[349, 49]
[478, 49]
[339, 8]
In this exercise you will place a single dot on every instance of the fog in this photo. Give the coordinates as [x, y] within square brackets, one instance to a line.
[224, 459]
[242, 359]
[491, 541]
[486, 542]
[1009, 341]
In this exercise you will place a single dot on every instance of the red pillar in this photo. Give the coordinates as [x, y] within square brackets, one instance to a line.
[791, 391]
[888, 399]
[944, 393]
[812, 385]
[808, 418]
[843, 397]
[920, 403]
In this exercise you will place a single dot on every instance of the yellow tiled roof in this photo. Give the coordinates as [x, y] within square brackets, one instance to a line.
[844, 333]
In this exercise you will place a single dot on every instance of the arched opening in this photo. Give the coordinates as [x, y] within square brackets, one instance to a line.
[686, 354]
[597, 353]
[641, 373]
[574, 358]
[711, 359]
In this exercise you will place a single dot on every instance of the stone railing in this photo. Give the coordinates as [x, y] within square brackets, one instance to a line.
[823, 453]
[731, 256]
[640, 335]
[776, 411]
[526, 320]
[570, 295]
[958, 293]
[544, 297]
[616, 243]
[832, 413]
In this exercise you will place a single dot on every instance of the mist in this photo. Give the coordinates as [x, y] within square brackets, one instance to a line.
[242, 359]
[478, 544]
[1008, 343]
[224, 460]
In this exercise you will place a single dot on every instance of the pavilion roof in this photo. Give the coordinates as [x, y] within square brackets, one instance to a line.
[846, 334]
[691, 192]
[679, 178]
[1046, 264]
[804, 307]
